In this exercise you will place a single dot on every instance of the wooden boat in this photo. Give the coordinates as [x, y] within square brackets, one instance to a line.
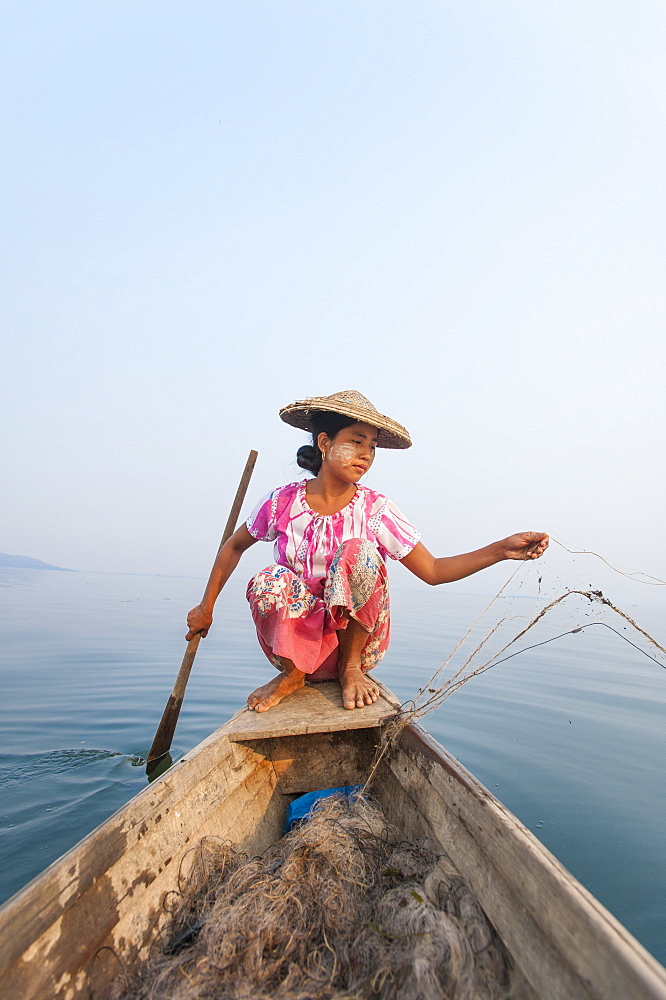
[102, 899]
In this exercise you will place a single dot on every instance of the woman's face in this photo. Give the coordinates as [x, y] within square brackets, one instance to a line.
[351, 452]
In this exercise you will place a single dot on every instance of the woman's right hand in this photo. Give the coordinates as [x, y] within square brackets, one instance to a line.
[199, 620]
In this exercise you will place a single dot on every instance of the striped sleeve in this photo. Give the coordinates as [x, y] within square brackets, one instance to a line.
[396, 536]
[261, 522]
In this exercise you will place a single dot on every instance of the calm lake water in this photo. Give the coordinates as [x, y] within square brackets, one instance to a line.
[570, 736]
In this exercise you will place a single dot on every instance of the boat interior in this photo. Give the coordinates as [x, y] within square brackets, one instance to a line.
[65, 933]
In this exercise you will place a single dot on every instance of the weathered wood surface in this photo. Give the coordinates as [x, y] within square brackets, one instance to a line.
[564, 942]
[315, 708]
[321, 760]
[108, 891]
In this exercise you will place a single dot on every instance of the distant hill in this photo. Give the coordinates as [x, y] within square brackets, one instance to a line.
[25, 562]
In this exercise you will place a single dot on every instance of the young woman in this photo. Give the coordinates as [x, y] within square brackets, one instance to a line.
[322, 609]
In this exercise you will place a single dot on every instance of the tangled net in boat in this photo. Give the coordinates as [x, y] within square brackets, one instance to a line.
[336, 910]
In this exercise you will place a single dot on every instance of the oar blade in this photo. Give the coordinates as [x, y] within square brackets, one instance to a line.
[167, 727]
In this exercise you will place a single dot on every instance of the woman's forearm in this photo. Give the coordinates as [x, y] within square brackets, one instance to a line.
[447, 569]
[200, 618]
[225, 563]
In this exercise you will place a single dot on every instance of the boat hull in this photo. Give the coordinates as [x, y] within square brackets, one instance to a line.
[64, 934]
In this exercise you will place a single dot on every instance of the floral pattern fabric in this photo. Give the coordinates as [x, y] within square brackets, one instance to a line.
[292, 622]
[306, 541]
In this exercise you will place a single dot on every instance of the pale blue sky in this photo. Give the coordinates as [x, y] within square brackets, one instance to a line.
[215, 208]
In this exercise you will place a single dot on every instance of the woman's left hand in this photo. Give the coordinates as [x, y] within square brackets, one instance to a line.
[525, 545]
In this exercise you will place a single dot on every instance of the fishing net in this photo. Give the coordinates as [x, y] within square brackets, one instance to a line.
[532, 609]
[338, 908]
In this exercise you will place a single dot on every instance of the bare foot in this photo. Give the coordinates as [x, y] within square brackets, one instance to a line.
[357, 689]
[271, 694]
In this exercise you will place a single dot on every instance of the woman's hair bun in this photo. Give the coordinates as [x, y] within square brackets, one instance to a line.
[309, 458]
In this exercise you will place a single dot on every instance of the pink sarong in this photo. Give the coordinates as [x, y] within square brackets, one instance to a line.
[293, 623]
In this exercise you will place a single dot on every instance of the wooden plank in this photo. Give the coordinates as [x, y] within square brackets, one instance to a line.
[323, 760]
[315, 708]
[566, 944]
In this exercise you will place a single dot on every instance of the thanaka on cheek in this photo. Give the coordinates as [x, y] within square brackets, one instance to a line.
[344, 453]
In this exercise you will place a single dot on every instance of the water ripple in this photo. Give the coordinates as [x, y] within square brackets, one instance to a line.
[24, 767]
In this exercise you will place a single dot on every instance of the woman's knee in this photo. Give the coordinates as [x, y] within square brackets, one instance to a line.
[279, 588]
[356, 573]
[266, 583]
[359, 549]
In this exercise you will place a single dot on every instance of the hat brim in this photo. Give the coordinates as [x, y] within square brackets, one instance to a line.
[391, 433]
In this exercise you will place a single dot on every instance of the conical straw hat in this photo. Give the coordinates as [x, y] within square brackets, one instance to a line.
[351, 404]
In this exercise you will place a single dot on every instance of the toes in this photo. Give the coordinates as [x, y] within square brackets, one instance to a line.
[263, 706]
[367, 696]
[259, 694]
[359, 692]
[256, 698]
[357, 699]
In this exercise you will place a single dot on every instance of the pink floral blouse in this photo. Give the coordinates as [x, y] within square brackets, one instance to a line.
[306, 541]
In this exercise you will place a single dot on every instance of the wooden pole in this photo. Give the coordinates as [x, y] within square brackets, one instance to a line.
[167, 727]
